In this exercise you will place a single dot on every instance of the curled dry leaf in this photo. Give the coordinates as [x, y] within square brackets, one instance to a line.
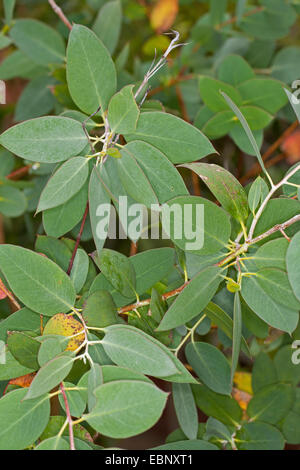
[23, 381]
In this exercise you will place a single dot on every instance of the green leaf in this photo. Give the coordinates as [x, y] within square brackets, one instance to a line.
[24, 348]
[292, 262]
[95, 379]
[264, 93]
[235, 70]
[296, 107]
[129, 347]
[135, 407]
[259, 436]
[185, 408]
[123, 111]
[13, 203]
[258, 192]
[54, 249]
[210, 365]
[21, 320]
[163, 177]
[290, 427]
[150, 266]
[257, 115]
[38, 282]
[271, 403]
[18, 64]
[216, 429]
[273, 22]
[187, 445]
[12, 368]
[109, 374]
[91, 74]
[236, 334]
[23, 421]
[276, 284]
[221, 407]
[193, 299]
[266, 307]
[99, 198]
[50, 375]
[79, 270]
[278, 211]
[61, 219]
[198, 225]
[286, 370]
[107, 25]
[118, 270]
[64, 184]
[224, 186]
[36, 99]
[263, 372]
[100, 310]
[9, 6]
[177, 139]
[48, 139]
[240, 139]
[253, 323]
[53, 443]
[50, 348]
[220, 318]
[210, 93]
[285, 66]
[134, 180]
[41, 43]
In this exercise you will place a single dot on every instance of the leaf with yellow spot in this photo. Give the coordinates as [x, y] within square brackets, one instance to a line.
[163, 15]
[243, 381]
[65, 325]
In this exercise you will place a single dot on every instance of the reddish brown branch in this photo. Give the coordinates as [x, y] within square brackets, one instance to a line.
[60, 13]
[78, 239]
[17, 174]
[182, 105]
[69, 417]
[133, 249]
[280, 140]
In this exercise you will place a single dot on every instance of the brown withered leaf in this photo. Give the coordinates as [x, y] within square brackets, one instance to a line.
[23, 381]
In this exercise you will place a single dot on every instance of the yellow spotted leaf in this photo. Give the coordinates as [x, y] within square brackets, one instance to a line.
[65, 325]
[242, 381]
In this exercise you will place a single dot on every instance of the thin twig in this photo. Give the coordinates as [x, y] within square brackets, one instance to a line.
[276, 228]
[145, 302]
[78, 239]
[268, 197]
[69, 417]
[60, 13]
[234, 19]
